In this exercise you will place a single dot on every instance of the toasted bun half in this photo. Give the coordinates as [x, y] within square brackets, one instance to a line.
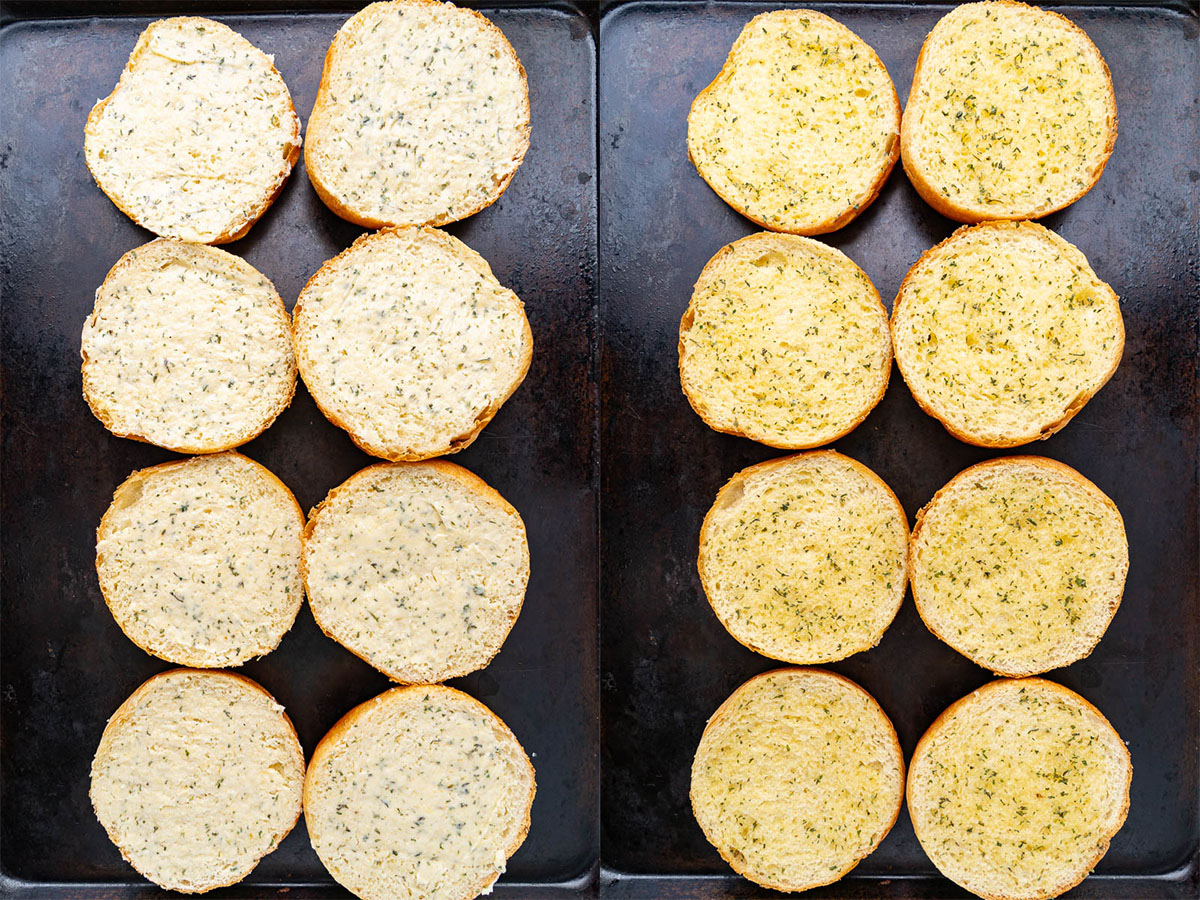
[798, 777]
[198, 136]
[1003, 333]
[198, 776]
[1016, 790]
[1011, 115]
[422, 792]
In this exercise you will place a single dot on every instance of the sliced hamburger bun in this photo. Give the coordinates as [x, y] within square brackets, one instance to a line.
[198, 776]
[800, 129]
[418, 568]
[798, 777]
[785, 341]
[1003, 333]
[422, 793]
[1019, 563]
[1016, 790]
[199, 560]
[408, 342]
[198, 136]
[188, 347]
[1011, 114]
[421, 118]
[804, 558]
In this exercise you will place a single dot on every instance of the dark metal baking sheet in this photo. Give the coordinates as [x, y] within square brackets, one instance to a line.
[64, 664]
[667, 663]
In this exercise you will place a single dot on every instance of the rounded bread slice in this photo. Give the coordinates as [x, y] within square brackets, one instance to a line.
[1003, 333]
[418, 568]
[408, 342]
[1011, 114]
[1016, 790]
[198, 776]
[422, 792]
[805, 558]
[801, 127]
[799, 776]
[199, 560]
[785, 341]
[421, 117]
[188, 347]
[198, 136]
[1018, 563]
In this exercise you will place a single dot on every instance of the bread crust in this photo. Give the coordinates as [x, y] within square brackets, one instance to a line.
[238, 228]
[1037, 684]
[200, 447]
[461, 442]
[125, 710]
[734, 484]
[950, 210]
[723, 711]
[868, 197]
[394, 694]
[137, 477]
[318, 111]
[1079, 403]
[469, 480]
[997, 463]
[685, 324]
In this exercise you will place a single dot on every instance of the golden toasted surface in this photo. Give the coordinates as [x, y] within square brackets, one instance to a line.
[1011, 114]
[784, 341]
[804, 558]
[798, 776]
[1003, 332]
[801, 127]
[1016, 790]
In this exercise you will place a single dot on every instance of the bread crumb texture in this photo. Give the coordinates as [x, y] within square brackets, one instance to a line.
[1011, 114]
[422, 116]
[798, 776]
[804, 558]
[785, 341]
[409, 342]
[1003, 332]
[199, 560]
[188, 347]
[199, 134]
[1017, 789]
[419, 568]
[197, 777]
[1019, 564]
[421, 793]
[801, 127]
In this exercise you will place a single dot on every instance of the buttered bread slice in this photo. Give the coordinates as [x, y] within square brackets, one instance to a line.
[198, 776]
[800, 129]
[199, 560]
[1016, 790]
[408, 342]
[188, 347]
[1018, 564]
[421, 118]
[1003, 332]
[785, 341]
[418, 568]
[804, 558]
[422, 793]
[798, 776]
[198, 136]
[1011, 114]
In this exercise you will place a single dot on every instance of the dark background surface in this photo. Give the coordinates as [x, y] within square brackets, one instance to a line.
[64, 664]
[667, 663]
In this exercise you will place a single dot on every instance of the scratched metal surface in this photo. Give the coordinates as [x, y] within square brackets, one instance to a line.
[667, 663]
[64, 664]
